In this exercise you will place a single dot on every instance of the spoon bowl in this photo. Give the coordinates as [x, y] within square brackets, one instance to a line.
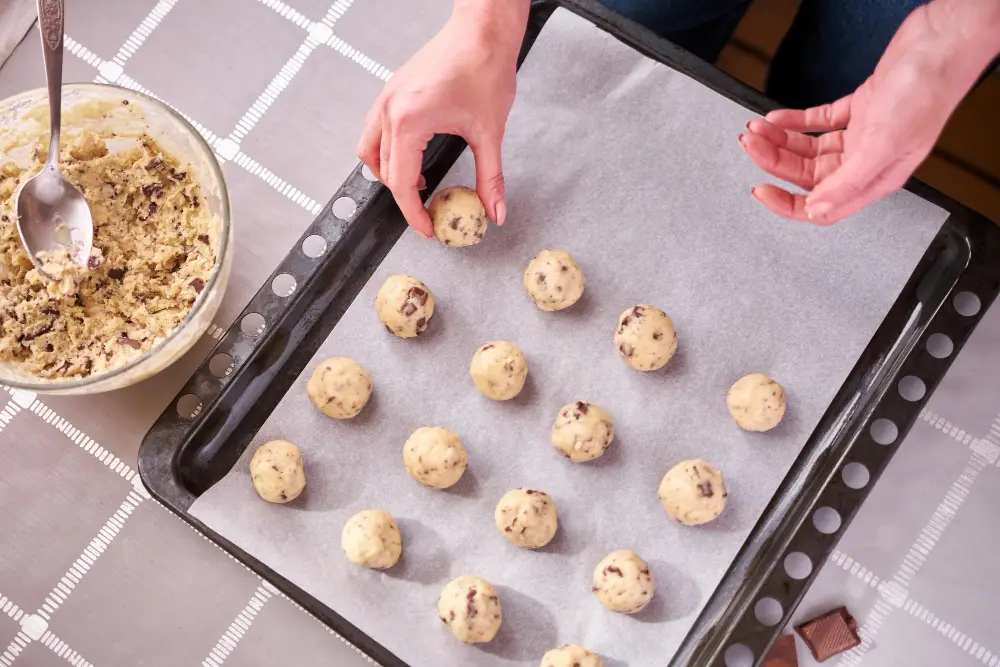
[53, 218]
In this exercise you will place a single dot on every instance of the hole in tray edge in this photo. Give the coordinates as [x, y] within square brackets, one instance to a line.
[284, 284]
[314, 246]
[940, 346]
[768, 612]
[826, 520]
[252, 325]
[344, 208]
[188, 406]
[911, 388]
[798, 565]
[855, 475]
[884, 431]
[967, 304]
[220, 365]
[738, 655]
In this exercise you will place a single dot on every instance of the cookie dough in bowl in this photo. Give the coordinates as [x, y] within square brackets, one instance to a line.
[623, 582]
[554, 280]
[458, 216]
[277, 471]
[470, 608]
[582, 431]
[526, 518]
[756, 402]
[371, 539]
[404, 305]
[162, 238]
[499, 370]
[571, 655]
[340, 388]
[693, 492]
[645, 337]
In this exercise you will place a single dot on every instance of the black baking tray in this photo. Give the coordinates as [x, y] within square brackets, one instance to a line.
[182, 456]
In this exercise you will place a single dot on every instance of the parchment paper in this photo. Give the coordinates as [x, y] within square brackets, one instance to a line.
[637, 170]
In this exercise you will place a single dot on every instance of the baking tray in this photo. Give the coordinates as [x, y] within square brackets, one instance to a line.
[181, 458]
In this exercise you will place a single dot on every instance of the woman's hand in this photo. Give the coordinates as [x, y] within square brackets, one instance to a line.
[875, 138]
[462, 83]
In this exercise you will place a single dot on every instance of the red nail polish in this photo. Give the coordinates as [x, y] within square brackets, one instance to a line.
[753, 192]
[748, 124]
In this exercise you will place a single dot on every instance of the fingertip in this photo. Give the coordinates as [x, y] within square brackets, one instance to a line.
[501, 212]
[818, 212]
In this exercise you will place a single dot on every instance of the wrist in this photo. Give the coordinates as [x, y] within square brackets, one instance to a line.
[495, 24]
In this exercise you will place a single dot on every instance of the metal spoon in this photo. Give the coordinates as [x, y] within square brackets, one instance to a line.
[52, 215]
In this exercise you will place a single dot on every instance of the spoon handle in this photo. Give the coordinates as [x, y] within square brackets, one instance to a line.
[50, 24]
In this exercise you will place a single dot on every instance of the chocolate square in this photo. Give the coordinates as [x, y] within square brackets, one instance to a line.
[783, 653]
[830, 634]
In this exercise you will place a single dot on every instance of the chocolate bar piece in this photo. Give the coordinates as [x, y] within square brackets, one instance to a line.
[831, 634]
[783, 653]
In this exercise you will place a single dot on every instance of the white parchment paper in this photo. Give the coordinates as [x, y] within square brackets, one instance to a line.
[636, 169]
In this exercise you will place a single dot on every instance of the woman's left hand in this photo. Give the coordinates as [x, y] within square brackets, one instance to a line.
[875, 138]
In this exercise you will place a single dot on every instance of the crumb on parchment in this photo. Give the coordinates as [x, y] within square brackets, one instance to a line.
[155, 246]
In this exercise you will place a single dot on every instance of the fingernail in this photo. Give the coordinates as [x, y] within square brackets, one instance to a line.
[501, 212]
[753, 192]
[741, 140]
[422, 183]
[748, 124]
[818, 211]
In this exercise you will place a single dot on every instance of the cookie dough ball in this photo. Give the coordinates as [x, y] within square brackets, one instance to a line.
[470, 607]
[277, 471]
[527, 518]
[756, 402]
[340, 388]
[459, 216]
[435, 457]
[499, 370]
[582, 431]
[554, 280]
[693, 492]
[371, 538]
[645, 338]
[623, 582]
[405, 305]
[571, 655]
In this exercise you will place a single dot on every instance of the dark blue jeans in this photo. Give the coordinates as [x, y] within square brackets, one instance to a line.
[832, 47]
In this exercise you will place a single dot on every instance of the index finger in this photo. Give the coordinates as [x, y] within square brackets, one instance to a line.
[405, 160]
[834, 116]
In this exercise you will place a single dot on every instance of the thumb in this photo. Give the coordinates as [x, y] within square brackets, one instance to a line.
[844, 188]
[489, 176]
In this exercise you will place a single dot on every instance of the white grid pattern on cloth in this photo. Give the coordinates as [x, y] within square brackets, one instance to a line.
[891, 594]
[894, 594]
[33, 627]
[234, 633]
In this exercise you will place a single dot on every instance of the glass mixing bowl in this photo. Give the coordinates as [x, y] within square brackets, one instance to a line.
[24, 120]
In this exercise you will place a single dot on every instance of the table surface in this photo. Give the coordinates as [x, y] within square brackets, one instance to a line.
[94, 572]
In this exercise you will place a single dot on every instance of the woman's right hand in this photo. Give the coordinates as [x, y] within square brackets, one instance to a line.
[462, 83]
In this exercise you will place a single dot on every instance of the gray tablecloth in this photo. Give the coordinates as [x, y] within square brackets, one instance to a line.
[93, 572]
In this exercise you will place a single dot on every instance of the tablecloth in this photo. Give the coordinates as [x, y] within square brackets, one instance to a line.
[94, 572]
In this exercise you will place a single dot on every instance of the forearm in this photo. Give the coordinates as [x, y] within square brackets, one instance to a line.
[499, 23]
[970, 33]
